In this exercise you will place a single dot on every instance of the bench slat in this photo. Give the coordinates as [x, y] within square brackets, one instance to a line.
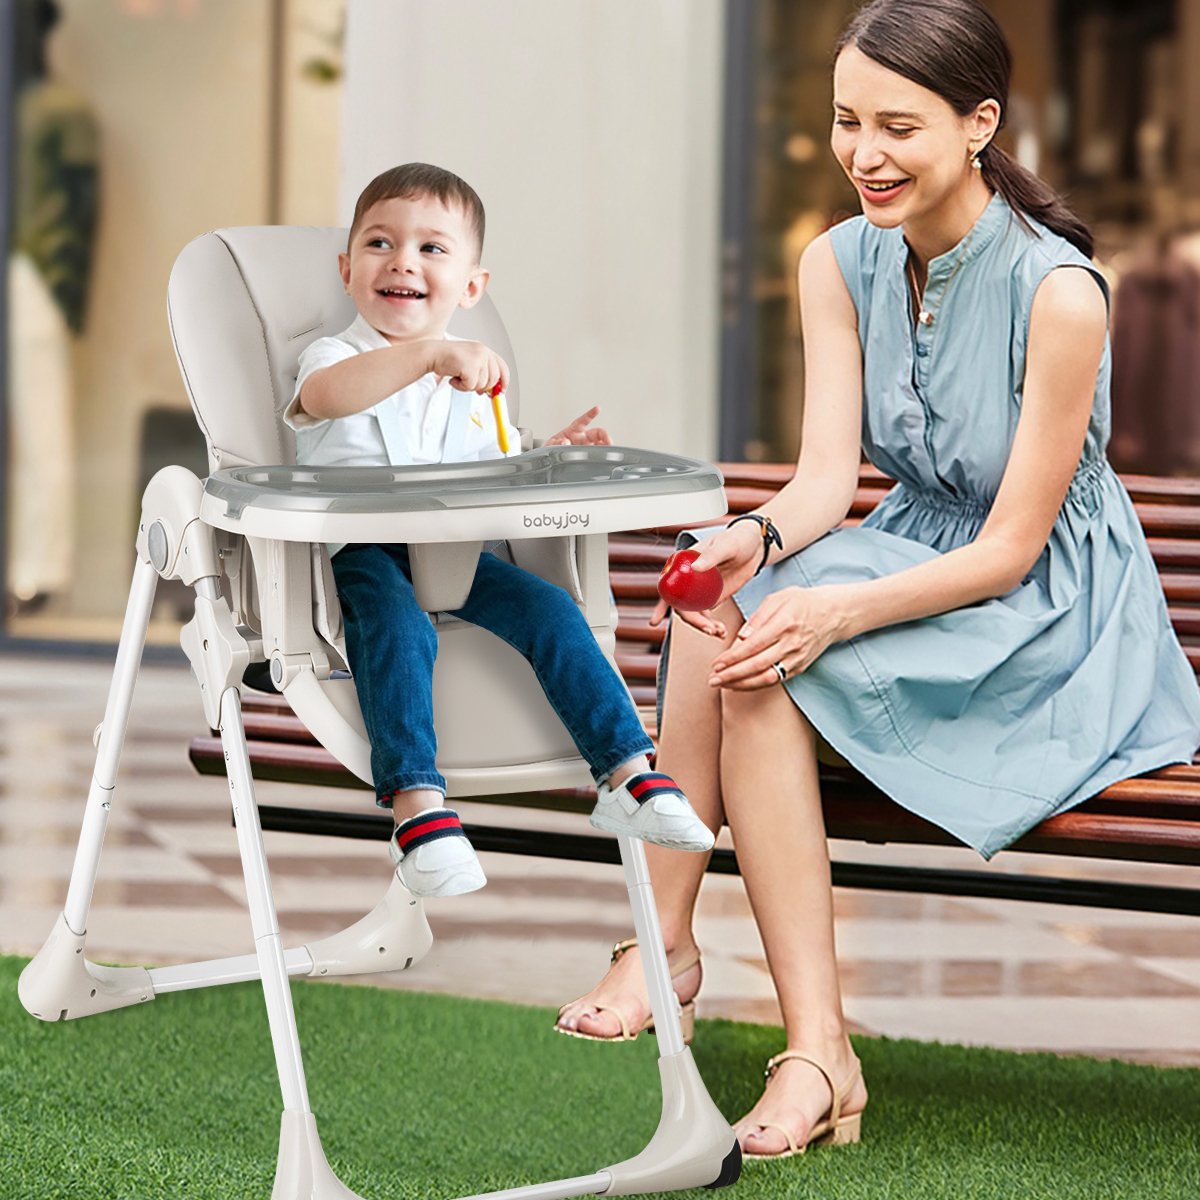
[1175, 554]
[1180, 587]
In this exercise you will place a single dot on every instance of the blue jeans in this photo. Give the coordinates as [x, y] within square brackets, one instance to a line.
[391, 644]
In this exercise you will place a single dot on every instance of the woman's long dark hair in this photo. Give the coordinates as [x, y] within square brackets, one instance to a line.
[956, 49]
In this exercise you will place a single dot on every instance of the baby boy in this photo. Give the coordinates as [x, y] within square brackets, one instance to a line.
[381, 392]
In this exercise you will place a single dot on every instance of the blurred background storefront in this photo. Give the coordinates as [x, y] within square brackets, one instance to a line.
[135, 125]
[1105, 105]
[652, 170]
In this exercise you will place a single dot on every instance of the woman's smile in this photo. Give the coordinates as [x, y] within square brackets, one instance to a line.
[882, 191]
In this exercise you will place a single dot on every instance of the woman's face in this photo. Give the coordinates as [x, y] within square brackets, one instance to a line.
[906, 151]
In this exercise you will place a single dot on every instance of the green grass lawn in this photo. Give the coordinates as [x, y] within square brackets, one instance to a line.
[425, 1096]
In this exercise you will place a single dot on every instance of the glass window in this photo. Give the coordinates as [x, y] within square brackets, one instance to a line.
[138, 124]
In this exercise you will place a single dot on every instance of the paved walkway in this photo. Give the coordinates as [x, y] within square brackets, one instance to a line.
[997, 973]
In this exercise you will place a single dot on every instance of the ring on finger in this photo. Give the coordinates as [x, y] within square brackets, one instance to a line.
[780, 670]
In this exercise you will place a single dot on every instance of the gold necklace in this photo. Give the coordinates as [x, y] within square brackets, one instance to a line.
[924, 315]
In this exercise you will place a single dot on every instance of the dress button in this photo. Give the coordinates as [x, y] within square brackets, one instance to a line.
[922, 351]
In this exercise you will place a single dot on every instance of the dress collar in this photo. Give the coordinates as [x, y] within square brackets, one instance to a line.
[993, 218]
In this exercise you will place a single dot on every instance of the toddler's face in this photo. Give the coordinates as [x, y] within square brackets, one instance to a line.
[411, 264]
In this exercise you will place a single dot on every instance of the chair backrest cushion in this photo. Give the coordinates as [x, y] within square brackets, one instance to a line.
[243, 303]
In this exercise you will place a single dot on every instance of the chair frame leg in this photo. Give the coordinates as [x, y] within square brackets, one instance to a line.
[301, 1171]
[663, 1002]
[111, 743]
[263, 918]
[59, 982]
[693, 1145]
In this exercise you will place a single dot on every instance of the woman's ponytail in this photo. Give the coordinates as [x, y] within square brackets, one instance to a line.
[1027, 195]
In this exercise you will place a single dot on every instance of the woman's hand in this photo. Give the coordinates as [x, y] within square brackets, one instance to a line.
[793, 627]
[578, 433]
[736, 553]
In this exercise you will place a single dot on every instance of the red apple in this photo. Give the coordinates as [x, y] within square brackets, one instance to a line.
[681, 587]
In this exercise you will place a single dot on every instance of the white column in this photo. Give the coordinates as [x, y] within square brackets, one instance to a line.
[591, 131]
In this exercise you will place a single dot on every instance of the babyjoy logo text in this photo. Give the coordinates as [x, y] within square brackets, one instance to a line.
[560, 520]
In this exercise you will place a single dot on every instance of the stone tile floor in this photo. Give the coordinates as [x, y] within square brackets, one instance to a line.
[999, 973]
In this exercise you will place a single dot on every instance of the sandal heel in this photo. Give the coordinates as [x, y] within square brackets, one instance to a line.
[835, 1129]
[687, 1020]
[847, 1131]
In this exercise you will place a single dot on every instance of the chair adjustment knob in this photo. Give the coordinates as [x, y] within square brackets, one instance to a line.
[159, 546]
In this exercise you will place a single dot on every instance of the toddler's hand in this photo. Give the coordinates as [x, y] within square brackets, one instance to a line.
[469, 366]
[578, 433]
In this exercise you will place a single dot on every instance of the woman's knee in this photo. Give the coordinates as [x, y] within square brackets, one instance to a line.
[759, 707]
[694, 643]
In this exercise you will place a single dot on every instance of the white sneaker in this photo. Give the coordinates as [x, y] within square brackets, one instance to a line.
[433, 857]
[652, 807]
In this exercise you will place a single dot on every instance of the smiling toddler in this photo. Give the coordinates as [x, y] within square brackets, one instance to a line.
[390, 390]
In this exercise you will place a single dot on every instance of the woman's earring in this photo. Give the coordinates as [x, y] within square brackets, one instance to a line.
[975, 160]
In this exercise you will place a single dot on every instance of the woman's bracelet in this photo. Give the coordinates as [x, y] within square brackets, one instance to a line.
[770, 534]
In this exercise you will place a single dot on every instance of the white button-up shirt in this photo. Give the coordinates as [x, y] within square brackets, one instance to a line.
[426, 422]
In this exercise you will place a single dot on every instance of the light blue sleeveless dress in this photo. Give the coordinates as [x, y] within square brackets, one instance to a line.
[989, 718]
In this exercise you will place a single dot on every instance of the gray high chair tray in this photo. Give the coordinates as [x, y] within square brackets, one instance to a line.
[606, 488]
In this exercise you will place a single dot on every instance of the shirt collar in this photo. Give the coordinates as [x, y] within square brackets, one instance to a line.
[362, 334]
[993, 218]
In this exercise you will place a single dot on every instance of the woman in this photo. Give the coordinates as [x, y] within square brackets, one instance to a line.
[991, 645]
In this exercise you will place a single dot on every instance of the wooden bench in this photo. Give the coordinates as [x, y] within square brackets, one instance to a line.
[1154, 818]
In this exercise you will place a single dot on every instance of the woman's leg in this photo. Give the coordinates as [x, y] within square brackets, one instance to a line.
[773, 806]
[688, 751]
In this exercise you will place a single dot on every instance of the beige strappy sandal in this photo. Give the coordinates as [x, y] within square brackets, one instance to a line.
[687, 1012]
[834, 1130]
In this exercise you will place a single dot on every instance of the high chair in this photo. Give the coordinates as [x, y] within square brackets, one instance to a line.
[243, 303]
